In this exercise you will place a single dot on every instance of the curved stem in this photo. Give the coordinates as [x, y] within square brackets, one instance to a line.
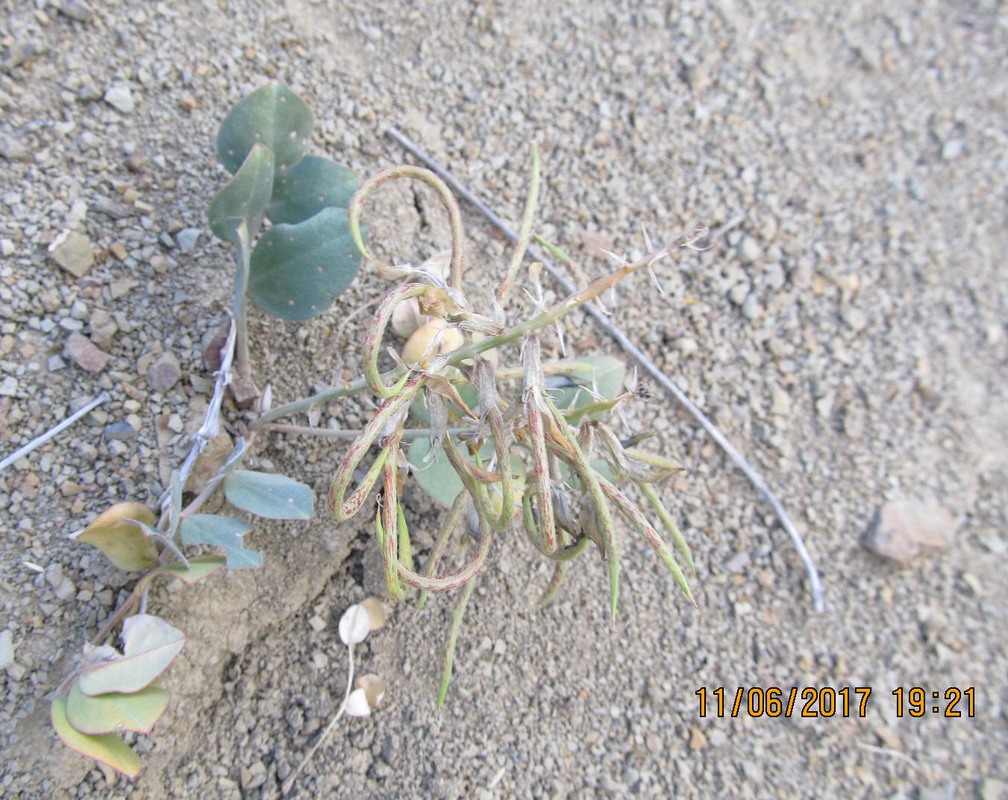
[375, 334]
[378, 180]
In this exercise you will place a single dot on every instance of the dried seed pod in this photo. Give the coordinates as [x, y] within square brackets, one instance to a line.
[357, 704]
[406, 318]
[429, 340]
[377, 612]
[374, 687]
[354, 625]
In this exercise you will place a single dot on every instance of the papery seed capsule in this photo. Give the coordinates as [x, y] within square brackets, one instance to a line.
[429, 340]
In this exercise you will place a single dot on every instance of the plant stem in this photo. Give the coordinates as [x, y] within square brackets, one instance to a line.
[289, 783]
[815, 584]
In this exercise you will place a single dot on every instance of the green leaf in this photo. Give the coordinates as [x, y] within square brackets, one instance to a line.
[120, 539]
[273, 116]
[198, 569]
[114, 712]
[601, 376]
[309, 185]
[269, 495]
[225, 532]
[297, 271]
[436, 476]
[246, 196]
[149, 645]
[107, 749]
[439, 479]
[421, 413]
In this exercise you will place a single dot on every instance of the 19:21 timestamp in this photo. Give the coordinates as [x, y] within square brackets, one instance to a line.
[916, 701]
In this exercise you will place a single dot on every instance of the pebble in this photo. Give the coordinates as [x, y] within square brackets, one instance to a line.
[905, 529]
[164, 372]
[75, 9]
[83, 352]
[952, 149]
[854, 318]
[14, 149]
[121, 430]
[187, 238]
[6, 648]
[120, 97]
[749, 250]
[72, 251]
[103, 328]
[252, 777]
[9, 386]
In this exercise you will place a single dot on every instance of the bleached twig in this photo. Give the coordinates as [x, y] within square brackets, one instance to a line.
[54, 431]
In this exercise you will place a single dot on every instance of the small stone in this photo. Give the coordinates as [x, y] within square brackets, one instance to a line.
[993, 789]
[72, 251]
[738, 293]
[119, 430]
[75, 9]
[187, 238]
[687, 345]
[70, 489]
[317, 623]
[164, 373]
[103, 328]
[66, 589]
[9, 386]
[55, 363]
[54, 574]
[749, 250]
[14, 149]
[83, 352]
[737, 562]
[751, 307]
[118, 251]
[6, 648]
[175, 424]
[120, 97]
[854, 318]
[697, 740]
[252, 777]
[952, 149]
[121, 288]
[904, 529]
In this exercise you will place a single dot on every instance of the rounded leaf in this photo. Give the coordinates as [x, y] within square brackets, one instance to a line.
[269, 495]
[114, 712]
[107, 748]
[149, 646]
[354, 625]
[297, 271]
[274, 116]
[115, 533]
[246, 196]
[304, 188]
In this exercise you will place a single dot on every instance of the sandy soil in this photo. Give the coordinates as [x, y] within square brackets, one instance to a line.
[849, 336]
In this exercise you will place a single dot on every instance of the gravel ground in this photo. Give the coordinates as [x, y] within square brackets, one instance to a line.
[849, 336]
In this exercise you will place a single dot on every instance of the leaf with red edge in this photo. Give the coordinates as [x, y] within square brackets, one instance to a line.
[107, 748]
[149, 645]
[114, 712]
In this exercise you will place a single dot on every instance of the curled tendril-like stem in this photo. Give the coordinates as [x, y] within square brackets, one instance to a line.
[375, 333]
[390, 174]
